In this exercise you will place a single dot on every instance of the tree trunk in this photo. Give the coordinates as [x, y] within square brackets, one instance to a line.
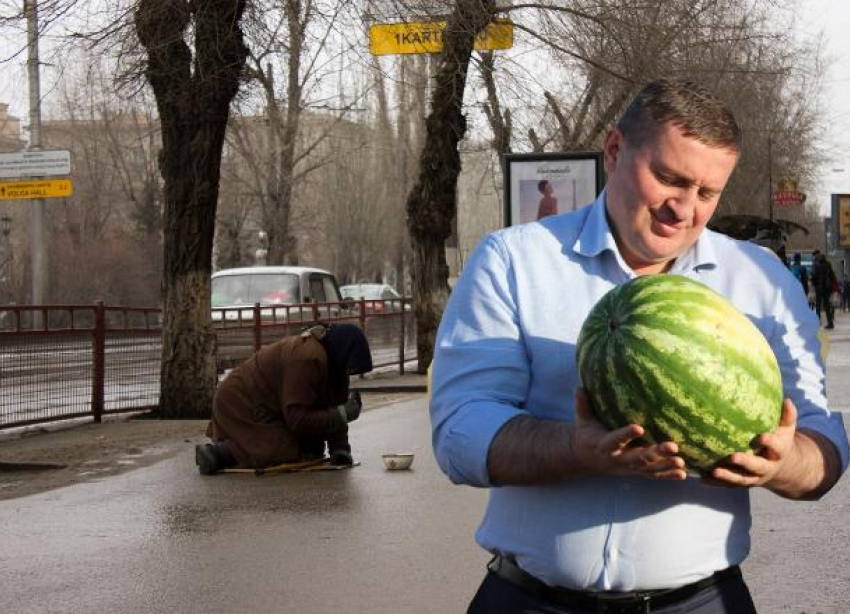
[500, 123]
[193, 97]
[286, 125]
[432, 204]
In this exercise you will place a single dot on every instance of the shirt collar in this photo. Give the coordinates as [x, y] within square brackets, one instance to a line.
[596, 237]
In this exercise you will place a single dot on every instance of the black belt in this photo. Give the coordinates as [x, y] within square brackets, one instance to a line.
[607, 602]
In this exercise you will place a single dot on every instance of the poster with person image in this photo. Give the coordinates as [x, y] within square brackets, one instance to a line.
[540, 185]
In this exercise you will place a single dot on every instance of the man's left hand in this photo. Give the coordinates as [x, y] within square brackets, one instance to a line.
[749, 470]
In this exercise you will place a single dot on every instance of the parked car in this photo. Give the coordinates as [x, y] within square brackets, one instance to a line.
[385, 297]
[235, 291]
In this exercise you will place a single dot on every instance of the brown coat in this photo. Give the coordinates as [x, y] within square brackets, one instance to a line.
[278, 407]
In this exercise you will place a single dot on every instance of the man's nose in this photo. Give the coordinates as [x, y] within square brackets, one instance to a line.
[683, 200]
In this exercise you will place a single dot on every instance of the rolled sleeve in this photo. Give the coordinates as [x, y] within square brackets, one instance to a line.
[798, 350]
[480, 370]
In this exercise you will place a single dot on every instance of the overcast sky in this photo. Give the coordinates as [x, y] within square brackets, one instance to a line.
[830, 16]
[833, 18]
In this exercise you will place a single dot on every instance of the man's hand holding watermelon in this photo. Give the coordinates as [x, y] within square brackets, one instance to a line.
[794, 464]
[790, 462]
[606, 452]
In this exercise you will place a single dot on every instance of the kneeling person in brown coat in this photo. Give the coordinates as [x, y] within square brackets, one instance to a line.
[282, 404]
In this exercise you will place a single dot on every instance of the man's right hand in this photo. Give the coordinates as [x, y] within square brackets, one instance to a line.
[604, 452]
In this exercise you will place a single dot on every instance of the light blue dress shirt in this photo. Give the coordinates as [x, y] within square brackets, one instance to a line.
[506, 347]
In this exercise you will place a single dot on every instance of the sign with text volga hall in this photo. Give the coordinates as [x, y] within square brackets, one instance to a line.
[47, 188]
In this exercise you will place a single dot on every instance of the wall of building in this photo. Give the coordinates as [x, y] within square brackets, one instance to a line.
[10, 130]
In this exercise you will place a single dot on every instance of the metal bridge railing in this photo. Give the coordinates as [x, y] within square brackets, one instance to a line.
[69, 361]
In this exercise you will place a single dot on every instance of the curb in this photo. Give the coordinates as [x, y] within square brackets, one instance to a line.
[391, 388]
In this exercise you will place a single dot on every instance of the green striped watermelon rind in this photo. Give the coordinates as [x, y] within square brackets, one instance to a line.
[712, 357]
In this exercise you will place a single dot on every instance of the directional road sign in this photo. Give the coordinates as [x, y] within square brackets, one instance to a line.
[427, 37]
[20, 164]
[49, 188]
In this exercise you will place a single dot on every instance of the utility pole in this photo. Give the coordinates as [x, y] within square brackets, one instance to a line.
[38, 243]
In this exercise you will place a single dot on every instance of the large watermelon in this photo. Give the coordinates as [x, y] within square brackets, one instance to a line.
[674, 356]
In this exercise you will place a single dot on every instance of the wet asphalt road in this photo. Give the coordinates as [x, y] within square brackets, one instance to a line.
[164, 539]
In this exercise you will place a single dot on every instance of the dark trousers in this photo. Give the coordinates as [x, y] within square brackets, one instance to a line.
[498, 596]
[822, 304]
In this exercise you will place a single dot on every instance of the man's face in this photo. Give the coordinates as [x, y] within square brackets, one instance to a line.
[661, 195]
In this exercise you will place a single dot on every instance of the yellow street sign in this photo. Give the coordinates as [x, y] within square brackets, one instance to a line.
[427, 37]
[49, 188]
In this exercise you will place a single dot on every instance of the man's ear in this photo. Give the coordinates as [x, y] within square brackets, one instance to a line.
[612, 149]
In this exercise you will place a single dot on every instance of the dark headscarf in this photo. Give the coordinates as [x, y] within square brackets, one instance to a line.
[348, 352]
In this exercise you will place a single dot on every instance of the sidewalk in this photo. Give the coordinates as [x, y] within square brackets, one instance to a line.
[800, 563]
[392, 381]
[838, 364]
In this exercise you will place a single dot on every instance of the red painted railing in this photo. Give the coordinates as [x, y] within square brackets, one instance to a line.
[72, 361]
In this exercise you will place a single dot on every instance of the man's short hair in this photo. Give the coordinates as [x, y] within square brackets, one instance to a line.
[690, 107]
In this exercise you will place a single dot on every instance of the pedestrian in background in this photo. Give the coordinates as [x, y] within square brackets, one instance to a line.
[800, 272]
[845, 294]
[782, 254]
[825, 283]
[581, 519]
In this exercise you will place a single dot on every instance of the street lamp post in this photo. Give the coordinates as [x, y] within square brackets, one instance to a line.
[38, 219]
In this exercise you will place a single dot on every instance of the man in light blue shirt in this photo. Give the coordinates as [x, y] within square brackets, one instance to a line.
[579, 520]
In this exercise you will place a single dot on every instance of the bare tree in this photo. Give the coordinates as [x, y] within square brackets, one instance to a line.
[114, 212]
[432, 204]
[499, 121]
[235, 208]
[283, 115]
[194, 85]
[602, 51]
[292, 60]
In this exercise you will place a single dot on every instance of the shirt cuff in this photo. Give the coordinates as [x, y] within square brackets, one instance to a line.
[832, 428]
[462, 445]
